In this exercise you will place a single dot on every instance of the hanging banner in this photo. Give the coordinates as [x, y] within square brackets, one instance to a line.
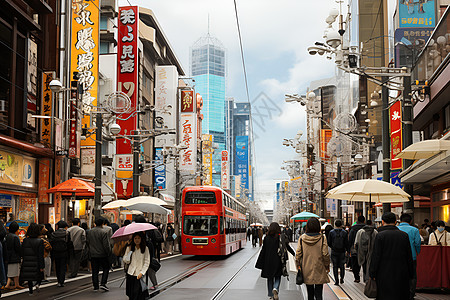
[74, 144]
[242, 160]
[325, 137]
[44, 180]
[166, 83]
[225, 171]
[84, 53]
[187, 101]
[127, 82]
[160, 170]
[88, 161]
[188, 138]
[46, 109]
[395, 119]
[207, 152]
[416, 13]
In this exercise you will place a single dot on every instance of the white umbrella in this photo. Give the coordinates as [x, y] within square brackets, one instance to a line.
[148, 208]
[424, 149]
[131, 212]
[145, 200]
[114, 204]
[256, 224]
[368, 190]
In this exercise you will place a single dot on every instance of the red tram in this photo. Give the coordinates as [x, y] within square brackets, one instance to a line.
[214, 223]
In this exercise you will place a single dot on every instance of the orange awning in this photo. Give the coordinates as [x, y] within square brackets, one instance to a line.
[74, 186]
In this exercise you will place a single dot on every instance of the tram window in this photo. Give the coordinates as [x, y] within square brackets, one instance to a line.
[222, 225]
[200, 225]
[200, 198]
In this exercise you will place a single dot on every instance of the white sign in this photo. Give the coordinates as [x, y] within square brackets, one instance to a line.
[124, 162]
[225, 170]
[237, 185]
[166, 96]
[332, 207]
[88, 161]
[188, 138]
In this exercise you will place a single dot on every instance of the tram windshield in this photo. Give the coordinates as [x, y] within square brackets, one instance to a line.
[200, 225]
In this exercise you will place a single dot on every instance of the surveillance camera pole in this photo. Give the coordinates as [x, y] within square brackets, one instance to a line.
[386, 140]
[98, 165]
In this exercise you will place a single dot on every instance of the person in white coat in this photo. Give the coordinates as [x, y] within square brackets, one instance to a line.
[137, 258]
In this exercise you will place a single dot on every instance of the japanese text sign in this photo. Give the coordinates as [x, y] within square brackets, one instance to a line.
[395, 119]
[46, 109]
[242, 160]
[225, 170]
[207, 158]
[187, 101]
[415, 13]
[188, 138]
[44, 180]
[160, 169]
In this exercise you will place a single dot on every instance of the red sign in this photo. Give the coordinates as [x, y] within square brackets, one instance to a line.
[44, 180]
[187, 101]
[127, 80]
[395, 119]
[73, 142]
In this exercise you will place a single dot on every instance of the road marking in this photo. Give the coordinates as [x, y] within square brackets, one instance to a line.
[338, 291]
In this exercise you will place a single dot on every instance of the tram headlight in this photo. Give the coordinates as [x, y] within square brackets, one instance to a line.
[213, 240]
[188, 240]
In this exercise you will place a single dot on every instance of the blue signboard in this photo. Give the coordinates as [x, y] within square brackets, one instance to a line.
[395, 180]
[5, 200]
[278, 192]
[416, 13]
[242, 160]
[160, 170]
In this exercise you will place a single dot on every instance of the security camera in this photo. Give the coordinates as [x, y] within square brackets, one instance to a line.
[114, 129]
[168, 106]
[312, 50]
[149, 107]
[302, 102]
[55, 86]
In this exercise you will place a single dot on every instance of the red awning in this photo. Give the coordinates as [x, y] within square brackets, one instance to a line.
[75, 186]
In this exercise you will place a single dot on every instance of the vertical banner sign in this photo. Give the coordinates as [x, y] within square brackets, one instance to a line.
[207, 158]
[84, 53]
[166, 84]
[46, 109]
[325, 137]
[187, 101]
[73, 121]
[416, 13]
[44, 180]
[160, 170]
[395, 119]
[242, 159]
[188, 138]
[237, 186]
[225, 171]
[127, 81]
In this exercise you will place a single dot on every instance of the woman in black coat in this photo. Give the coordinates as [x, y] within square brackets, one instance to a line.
[272, 259]
[33, 264]
[13, 256]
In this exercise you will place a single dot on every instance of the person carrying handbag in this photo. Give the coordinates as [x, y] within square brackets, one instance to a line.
[313, 260]
[137, 258]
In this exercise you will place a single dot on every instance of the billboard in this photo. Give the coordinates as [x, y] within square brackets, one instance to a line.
[160, 170]
[207, 160]
[395, 120]
[187, 101]
[46, 109]
[241, 165]
[225, 170]
[166, 84]
[416, 13]
[84, 53]
[127, 82]
[188, 138]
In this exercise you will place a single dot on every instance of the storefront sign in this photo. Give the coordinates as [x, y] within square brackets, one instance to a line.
[11, 168]
[88, 161]
[160, 170]
[32, 76]
[127, 82]
[29, 171]
[225, 171]
[242, 160]
[124, 166]
[5, 200]
[325, 137]
[188, 138]
[46, 109]
[74, 145]
[237, 186]
[187, 101]
[28, 209]
[44, 180]
[395, 113]
[415, 13]
[85, 44]
[207, 158]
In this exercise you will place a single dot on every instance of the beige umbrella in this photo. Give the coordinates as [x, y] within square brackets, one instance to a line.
[147, 204]
[114, 204]
[131, 212]
[145, 200]
[368, 190]
[424, 149]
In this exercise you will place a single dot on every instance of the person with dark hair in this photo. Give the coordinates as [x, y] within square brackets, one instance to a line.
[3, 233]
[272, 259]
[338, 243]
[364, 247]
[415, 241]
[99, 247]
[13, 255]
[356, 267]
[313, 260]
[49, 228]
[60, 242]
[440, 236]
[137, 257]
[78, 238]
[33, 258]
[391, 264]
[150, 272]
[126, 222]
[47, 249]
[169, 239]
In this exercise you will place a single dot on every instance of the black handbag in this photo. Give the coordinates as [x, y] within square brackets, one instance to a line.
[370, 290]
[299, 280]
[154, 264]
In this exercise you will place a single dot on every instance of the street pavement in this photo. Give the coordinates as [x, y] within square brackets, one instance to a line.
[204, 277]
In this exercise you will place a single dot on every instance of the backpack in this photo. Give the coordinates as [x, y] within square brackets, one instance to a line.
[365, 240]
[339, 242]
[158, 236]
[59, 245]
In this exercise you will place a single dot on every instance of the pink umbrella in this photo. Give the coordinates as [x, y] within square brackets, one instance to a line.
[125, 233]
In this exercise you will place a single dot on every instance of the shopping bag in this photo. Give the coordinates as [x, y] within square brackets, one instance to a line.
[370, 290]
[299, 278]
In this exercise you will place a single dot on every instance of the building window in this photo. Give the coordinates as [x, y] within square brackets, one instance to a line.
[103, 23]
[104, 47]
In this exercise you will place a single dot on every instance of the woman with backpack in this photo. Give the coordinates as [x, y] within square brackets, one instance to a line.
[313, 260]
[33, 264]
[272, 259]
[137, 260]
[47, 249]
[60, 241]
[13, 256]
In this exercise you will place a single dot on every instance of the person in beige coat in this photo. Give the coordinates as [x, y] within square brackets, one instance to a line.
[313, 260]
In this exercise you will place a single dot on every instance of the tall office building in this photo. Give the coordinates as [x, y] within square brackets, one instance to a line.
[207, 65]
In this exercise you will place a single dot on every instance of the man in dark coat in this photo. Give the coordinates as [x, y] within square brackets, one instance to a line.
[356, 268]
[391, 264]
[60, 241]
[338, 243]
[98, 243]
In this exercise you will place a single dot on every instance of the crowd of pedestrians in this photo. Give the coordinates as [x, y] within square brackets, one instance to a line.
[68, 249]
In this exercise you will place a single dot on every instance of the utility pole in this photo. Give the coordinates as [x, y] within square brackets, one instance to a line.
[98, 164]
[135, 167]
[407, 116]
[338, 182]
[386, 139]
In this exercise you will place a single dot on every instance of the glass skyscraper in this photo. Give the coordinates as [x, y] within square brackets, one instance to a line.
[207, 62]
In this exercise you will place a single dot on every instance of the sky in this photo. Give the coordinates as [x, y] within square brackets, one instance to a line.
[275, 36]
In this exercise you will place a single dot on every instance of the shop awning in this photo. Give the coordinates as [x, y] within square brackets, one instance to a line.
[424, 149]
[74, 186]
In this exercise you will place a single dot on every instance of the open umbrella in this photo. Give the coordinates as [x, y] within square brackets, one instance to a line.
[125, 233]
[424, 149]
[114, 204]
[256, 224]
[146, 200]
[131, 212]
[74, 186]
[303, 216]
[147, 204]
